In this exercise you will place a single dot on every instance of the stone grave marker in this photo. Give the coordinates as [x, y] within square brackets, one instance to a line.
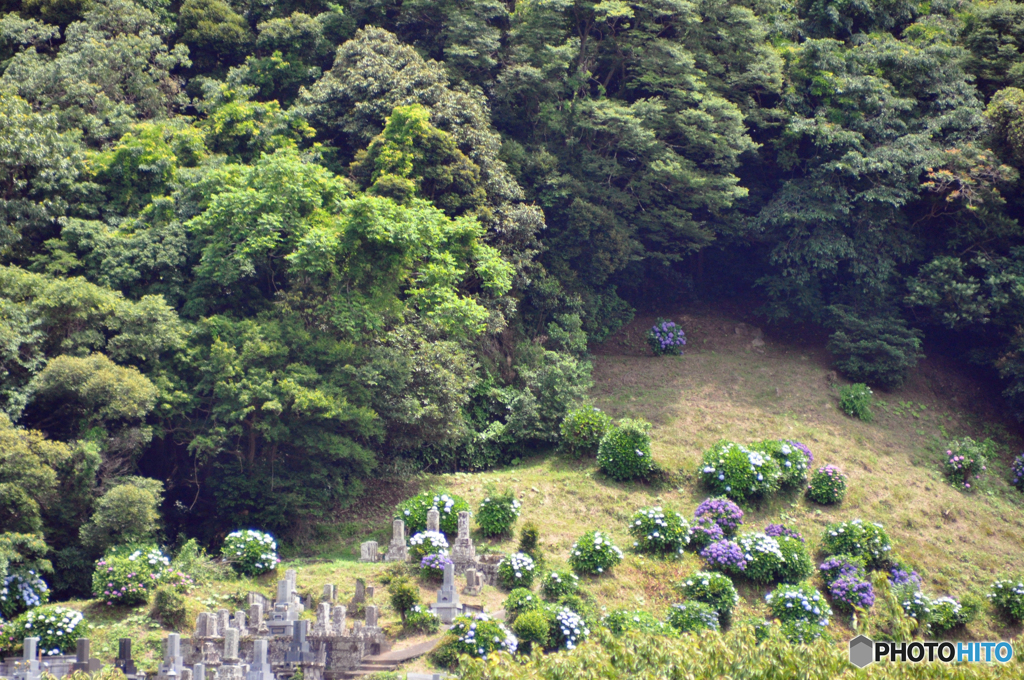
[369, 551]
[83, 660]
[371, 616]
[171, 665]
[473, 583]
[124, 661]
[29, 669]
[259, 669]
[433, 520]
[397, 550]
[299, 652]
[230, 655]
[463, 552]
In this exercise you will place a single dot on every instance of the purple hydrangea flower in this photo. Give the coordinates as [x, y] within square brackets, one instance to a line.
[838, 567]
[780, 530]
[850, 591]
[802, 447]
[899, 577]
[722, 511]
[724, 556]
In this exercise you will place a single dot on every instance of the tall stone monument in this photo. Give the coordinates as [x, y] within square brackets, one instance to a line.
[124, 661]
[463, 552]
[29, 669]
[260, 668]
[433, 520]
[83, 660]
[397, 550]
[171, 666]
[447, 606]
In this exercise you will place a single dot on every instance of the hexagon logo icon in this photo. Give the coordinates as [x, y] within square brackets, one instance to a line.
[862, 651]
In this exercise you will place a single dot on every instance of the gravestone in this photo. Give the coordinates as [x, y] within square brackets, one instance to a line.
[223, 619]
[210, 655]
[360, 595]
[369, 552]
[255, 614]
[323, 626]
[29, 669]
[447, 606]
[433, 520]
[473, 583]
[329, 592]
[124, 661]
[171, 665]
[83, 660]
[259, 669]
[198, 672]
[338, 619]
[285, 611]
[203, 625]
[371, 616]
[397, 550]
[463, 552]
[238, 622]
[230, 655]
[299, 652]
[370, 590]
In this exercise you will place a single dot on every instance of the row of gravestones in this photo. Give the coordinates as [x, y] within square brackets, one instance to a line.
[31, 666]
[463, 553]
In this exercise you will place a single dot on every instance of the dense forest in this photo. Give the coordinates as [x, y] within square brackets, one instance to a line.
[265, 251]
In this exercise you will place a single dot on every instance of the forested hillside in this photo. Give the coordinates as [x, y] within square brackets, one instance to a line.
[253, 254]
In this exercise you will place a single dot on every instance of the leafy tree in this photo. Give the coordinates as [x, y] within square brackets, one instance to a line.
[28, 476]
[994, 37]
[216, 35]
[127, 513]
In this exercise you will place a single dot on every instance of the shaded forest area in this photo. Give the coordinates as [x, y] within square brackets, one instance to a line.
[262, 252]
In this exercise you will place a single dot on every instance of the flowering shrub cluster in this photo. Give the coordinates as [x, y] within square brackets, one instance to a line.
[796, 560]
[714, 519]
[582, 430]
[568, 630]
[740, 473]
[690, 617]
[855, 400]
[479, 636]
[725, 556]
[414, 511]
[125, 578]
[850, 592]
[427, 543]
[498, 514]
[422, 620]
[520, 600]
[432, 566]
[666, 337]
[915, 603]
[559, 584]
[762, 555]
[594, 553]
[713, 589]
[56, 627]
[803, 608]
[516, 571]
[620, 621]
[657, 531]
[625, 452]
[250, 552]
[838, 566]
[899, 576]
[793, 459]
[1017, 472]
[1008, 597]
[828, 485]
[777, 530]
[965, 460]
[948, 614]
[20, 592]
[858, 538]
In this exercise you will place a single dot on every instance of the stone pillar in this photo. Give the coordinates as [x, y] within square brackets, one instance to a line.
[369, 551]
[360, 595]
[198, 672]
[238, 622]
[323, 626]
[463, 552]
[30, 660]
[83, 658]
[171, 665]
[202, 624]
[259, 669]
[223, 618]
[371, 616]
[255, 614]
[124, 661]
[284, 596]
[338, 619]
[397, 551]
[230, 646]
[447, 606]
[329, 593]
[433, 520]
[473, 584]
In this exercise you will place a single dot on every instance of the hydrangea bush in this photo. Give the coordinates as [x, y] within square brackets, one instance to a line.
[20, 592]
[594, 553]
[777, 530]
[250, 552]
[666, 337]
[520, 600]
[516, 571]
[498, 514]
[965, 460]
[1007, 596]
[838, 566]
[569, 629]
[427, 543]
[703, 533]
[56, 627]
[915, 603]
[851, 592]
[420, 620]
[582, 430]
[690, 617]
[558, 584]
[947, 613]
[828, 485]
[733, 470]
[432, 566]
[621, 621]
[657, 531]
[479, 636]
[762, 555]
[725, 556]
[796, 560]
[899, 576]
[414, 511]
[801, 602]
[860, 539]
[125, 578]
[625, 452]
[714, 519]
[793, 461]
[713, 589]
[1017, 472]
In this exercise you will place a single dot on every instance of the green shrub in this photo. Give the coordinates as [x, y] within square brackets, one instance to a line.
[403, 596]
[126, 514]
[796, 560]
[516, 571]
[947, 614]
[251, 552]
[793, 461]
[915, 603]
[420, 620]
[414, 511]
[427, 543]
[828, 485]
[594, 553]
[56, 627]
[802, 631]
[557, 584]
[625, 452]
[192, 560]
[713, 589]
[621, 621]
[520, 600]
[855, 400]
[690, 617]
[169, 607]
[659, 532]
[880, 349]
[498, 513]
[582, 430]
[1008, 598]
[532, 627]
[732, 470]
[764, 558]
[21, 591]
[126, 579]
[965, 460]
[860, 539]
[800, 602]
[529, 536]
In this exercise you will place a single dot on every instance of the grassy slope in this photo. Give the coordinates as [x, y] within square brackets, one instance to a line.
[724, 389]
